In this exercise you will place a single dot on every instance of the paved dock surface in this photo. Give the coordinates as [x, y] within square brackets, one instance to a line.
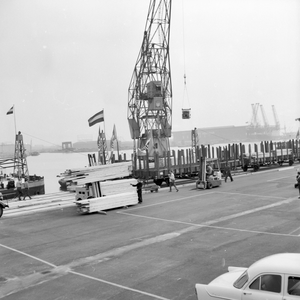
[156, 250]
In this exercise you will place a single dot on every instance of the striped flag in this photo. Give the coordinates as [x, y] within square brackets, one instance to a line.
[11, 111]
[97, 118]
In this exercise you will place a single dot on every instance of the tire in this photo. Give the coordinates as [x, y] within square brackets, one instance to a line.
[209, 185]
[245, 168]
[1, 211]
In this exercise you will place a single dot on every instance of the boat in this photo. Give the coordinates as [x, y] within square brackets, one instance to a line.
[18, 164]
[34, 153]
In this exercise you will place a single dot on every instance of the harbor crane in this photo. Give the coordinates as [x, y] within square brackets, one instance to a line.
[149, 110]
[277, 123]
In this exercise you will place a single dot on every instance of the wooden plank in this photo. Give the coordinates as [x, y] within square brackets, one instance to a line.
[108, 202]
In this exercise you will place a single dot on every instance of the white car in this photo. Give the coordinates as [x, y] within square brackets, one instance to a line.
[275, 277]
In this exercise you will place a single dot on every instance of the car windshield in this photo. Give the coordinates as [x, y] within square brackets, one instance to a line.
[240, 282]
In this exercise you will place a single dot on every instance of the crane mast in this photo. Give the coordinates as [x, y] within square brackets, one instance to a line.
[149, 110]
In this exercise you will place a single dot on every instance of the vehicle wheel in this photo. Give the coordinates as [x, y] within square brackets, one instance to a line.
[209, 185]
[291, 162]
[1, 211]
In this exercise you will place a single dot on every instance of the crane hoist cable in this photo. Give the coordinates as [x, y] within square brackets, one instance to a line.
[186, 112]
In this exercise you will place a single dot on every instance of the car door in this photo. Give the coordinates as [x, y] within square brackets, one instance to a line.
[264, 287]
[292, 289]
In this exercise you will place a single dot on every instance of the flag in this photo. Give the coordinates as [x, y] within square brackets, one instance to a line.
[298, 134]
[97, 118]
[11, 111]
[113, 138]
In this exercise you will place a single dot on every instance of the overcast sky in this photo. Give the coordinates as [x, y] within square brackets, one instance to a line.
[62, 61]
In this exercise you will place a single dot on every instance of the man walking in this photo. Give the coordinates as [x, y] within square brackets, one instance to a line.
[227, 172]
[19, 189]
[172, 181]
[26, 189]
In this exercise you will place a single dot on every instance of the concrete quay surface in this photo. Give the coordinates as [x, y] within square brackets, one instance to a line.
[156, 250]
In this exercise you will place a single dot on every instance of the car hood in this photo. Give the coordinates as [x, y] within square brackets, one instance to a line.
[227, 279]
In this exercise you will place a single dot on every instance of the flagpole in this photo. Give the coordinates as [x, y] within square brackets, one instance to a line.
[14, 110]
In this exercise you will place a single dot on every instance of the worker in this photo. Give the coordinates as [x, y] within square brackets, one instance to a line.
[19, 188]
[227, 173]
[172, 181]
[139, 186]
[209, 171]
[26, 189]
[298, 181]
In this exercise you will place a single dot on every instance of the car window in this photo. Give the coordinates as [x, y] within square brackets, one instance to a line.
[240, 282]
[268, 282]
[294, 285]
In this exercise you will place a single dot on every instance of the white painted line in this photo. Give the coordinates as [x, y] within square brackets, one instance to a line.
[225, 218]
[297, 229]
[251, 195]
[280, 178]
[119, 286]
[28, 255]
[87, 276]
[169, 201]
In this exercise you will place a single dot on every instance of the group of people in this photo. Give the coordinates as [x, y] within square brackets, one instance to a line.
[22, 189]
[139, 185]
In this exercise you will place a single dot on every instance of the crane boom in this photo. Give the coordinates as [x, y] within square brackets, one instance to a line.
[277, 123]
[264, 116]
[149, 110]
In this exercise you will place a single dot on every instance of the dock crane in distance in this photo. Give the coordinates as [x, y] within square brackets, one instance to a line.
[149, 111]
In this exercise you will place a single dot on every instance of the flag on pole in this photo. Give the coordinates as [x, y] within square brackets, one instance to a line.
[11, 111]
[113, 137]
[97, 118]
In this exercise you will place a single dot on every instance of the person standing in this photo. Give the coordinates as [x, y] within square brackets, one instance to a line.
[172, 181]
[227, 172]
[139, 187]
[26, 189]
[298, 181]
[19, 189]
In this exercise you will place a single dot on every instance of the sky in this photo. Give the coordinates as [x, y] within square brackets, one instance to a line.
[62, 61]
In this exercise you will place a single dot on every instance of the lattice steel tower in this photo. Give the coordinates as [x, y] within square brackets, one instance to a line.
[150, 91]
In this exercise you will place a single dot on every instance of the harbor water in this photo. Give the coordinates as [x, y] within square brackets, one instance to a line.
[50, 165]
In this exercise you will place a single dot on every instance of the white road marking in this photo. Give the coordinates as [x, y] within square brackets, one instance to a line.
[276, 179]
[208, 224]
[86, 276]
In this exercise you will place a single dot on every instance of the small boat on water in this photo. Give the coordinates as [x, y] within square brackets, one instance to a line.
[34, 153]
[18, 164]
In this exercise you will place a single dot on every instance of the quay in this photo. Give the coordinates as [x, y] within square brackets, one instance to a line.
[156, 250]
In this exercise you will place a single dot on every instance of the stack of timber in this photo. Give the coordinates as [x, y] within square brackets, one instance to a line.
[74, 177]
[114, 194]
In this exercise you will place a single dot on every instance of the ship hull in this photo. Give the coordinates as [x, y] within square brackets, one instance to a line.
[36, 187]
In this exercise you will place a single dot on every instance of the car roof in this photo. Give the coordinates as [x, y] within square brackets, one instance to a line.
[286, 263]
